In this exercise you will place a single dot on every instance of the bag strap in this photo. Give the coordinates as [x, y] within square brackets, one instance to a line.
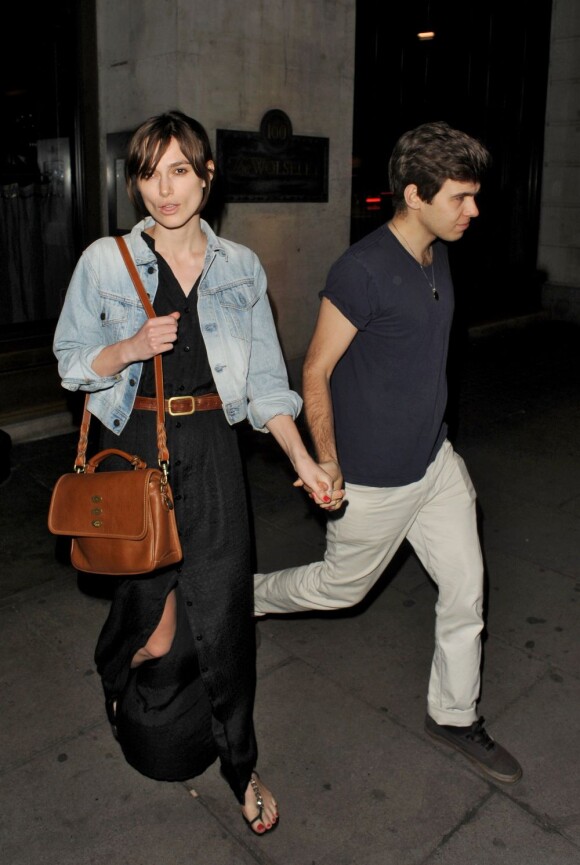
[161, 434]
[163, 453]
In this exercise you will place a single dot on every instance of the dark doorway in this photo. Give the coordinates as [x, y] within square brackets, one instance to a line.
[484, 71]
[49, 116]
[38, 73]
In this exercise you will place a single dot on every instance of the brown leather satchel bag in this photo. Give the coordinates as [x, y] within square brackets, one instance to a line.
[120, 522]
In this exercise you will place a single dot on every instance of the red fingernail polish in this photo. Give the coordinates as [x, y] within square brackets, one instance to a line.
[326, 499]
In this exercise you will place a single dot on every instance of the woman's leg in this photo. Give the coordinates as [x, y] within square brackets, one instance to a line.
[260, 809]
[161, 640]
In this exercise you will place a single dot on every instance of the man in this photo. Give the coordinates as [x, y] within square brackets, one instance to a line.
[375, 395]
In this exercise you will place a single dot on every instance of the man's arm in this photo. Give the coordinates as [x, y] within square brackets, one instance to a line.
[332, 336]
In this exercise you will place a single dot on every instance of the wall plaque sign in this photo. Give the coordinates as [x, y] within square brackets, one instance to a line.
[272, 164]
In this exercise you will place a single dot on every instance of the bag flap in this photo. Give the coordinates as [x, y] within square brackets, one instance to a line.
[102, 504]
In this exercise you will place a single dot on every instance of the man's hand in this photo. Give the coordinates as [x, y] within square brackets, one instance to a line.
[332, 468]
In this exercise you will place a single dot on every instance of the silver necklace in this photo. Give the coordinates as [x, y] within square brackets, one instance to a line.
[431, 285]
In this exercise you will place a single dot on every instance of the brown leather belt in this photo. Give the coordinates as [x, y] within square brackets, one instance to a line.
[179, 405]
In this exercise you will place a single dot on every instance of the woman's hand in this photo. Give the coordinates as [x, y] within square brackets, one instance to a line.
[323, 482]
[156, 336]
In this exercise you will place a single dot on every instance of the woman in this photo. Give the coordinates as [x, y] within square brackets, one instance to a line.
[177, 652]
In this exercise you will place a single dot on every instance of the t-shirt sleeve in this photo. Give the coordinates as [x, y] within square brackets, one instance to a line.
[350, 288]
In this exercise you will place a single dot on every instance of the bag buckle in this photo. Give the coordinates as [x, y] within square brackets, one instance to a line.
[176, 412]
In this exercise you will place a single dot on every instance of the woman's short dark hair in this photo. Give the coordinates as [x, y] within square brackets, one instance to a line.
[431, 154]
[150, 141]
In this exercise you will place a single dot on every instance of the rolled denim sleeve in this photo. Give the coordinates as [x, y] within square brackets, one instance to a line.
[267, 386]
[78, 337]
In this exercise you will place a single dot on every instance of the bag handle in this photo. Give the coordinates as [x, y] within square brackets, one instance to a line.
[94, 462]
[163, 453]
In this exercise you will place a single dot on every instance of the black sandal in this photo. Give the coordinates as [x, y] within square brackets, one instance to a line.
[260, 806]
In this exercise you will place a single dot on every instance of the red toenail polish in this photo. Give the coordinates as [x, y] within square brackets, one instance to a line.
[260, 827]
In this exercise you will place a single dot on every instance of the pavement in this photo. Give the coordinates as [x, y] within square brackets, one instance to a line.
[341, 697]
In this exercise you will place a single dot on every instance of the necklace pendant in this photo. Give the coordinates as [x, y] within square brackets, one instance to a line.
[435, 294]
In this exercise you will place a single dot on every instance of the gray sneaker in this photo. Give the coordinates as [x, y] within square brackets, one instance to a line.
[475, 744]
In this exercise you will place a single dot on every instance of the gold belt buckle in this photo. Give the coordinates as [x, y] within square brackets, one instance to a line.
[178, 413]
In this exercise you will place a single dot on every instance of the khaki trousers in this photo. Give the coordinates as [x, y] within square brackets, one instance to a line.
[437, 516]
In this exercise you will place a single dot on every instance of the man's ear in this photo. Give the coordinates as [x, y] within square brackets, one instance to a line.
[412, 199]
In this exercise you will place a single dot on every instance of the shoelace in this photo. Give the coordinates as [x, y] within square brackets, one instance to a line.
[479, 735]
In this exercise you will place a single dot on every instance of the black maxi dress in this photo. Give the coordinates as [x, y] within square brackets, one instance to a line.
[176, 715]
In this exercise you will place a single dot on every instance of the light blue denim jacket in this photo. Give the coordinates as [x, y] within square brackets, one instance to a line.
[102, 307]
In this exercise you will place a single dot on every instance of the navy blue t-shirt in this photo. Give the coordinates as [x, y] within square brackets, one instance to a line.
[389, 390]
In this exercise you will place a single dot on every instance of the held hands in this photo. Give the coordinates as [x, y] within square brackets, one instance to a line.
[323, 482]
[155, 337]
